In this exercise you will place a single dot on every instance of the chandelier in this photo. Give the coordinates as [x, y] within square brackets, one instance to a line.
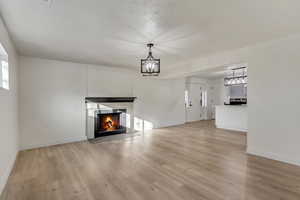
[238, 76]
[150, 66]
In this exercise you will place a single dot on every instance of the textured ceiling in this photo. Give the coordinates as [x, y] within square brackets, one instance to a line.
[214, 73]
[218, 72]
[115, 32]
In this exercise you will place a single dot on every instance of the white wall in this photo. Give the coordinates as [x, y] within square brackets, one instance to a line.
[273, 95]
[232, 117]
[8, 112]
[220, 91]
[52, 98]
[111, 82]
[51, 102]
[160, 102]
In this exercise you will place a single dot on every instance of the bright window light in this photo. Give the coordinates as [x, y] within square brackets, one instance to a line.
[128, 120]
[138, 124]
[4, 69]
[148, 125]
[5, 75]
[204, 99]
[186, 98]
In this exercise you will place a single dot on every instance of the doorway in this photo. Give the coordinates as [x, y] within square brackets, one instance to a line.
[196, 101]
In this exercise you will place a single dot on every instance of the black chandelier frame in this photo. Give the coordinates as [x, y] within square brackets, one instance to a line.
[150, 72]
[234, 77]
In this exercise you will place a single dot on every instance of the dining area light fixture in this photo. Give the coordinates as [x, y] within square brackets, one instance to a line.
[150, 66]
[237, 76]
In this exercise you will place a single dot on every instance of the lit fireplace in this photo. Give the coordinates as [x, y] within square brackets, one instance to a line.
[110, 122]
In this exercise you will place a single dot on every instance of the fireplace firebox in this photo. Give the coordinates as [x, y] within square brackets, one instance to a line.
[110, 122]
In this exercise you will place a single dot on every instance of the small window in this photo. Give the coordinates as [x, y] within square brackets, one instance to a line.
[4, 69]
[204, 98]
[186, 98]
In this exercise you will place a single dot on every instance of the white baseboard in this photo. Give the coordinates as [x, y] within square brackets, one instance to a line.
[7, 171]
[231, 128]
[273, 156]
[63, 141]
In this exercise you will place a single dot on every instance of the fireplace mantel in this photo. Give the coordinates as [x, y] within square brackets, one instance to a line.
[109, 99]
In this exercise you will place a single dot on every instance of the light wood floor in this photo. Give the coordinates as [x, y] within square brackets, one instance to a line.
[193, 162]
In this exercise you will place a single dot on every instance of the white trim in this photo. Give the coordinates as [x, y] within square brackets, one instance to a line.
[64, 141]
[7, 171]
[273, 156]
[231, 128]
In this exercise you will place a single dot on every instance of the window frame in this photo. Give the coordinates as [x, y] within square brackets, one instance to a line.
[4, 69]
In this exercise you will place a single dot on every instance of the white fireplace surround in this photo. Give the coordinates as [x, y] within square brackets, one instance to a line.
[91, 107]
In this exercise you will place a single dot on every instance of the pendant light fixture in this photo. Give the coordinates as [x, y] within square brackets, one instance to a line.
[150, 66]
[238, 77]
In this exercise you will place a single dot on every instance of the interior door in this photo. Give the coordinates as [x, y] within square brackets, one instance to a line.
[195, 109]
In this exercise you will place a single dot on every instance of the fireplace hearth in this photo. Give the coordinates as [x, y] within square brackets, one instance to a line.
[110, 122]
[108, 116]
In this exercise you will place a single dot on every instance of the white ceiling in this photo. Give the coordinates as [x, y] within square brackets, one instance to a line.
[115, 32]
[213, 73]
[218, 72]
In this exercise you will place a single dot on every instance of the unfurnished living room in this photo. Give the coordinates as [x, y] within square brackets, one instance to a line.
[149, 99]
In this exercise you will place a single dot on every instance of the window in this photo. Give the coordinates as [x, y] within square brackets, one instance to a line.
[4, 69]
[186, 98]
[5, 81]
[204, 98]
